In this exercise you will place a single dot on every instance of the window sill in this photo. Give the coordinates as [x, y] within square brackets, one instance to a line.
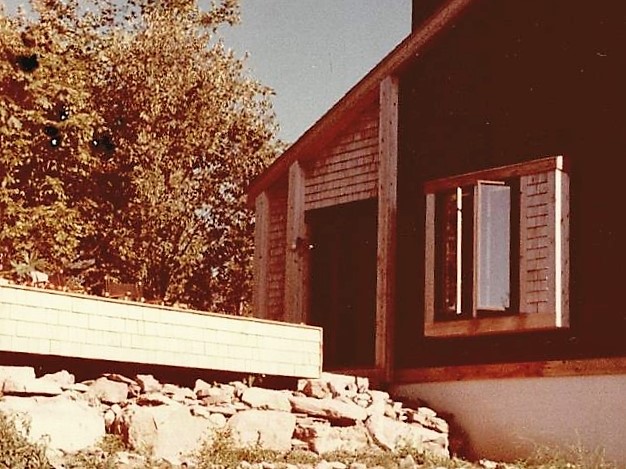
[486, 326]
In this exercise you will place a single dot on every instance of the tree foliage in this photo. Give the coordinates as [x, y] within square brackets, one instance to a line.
[128, 132]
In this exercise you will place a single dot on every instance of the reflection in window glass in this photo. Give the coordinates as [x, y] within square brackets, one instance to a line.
[494, 247]
[450, 240]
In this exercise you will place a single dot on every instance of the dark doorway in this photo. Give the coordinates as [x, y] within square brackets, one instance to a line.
[343, 282]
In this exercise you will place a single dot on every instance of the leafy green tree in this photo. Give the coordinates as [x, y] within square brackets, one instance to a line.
[160, 129]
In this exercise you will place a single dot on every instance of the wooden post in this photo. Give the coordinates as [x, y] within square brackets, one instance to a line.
[296, 258]
[387, 225]
[261, 255]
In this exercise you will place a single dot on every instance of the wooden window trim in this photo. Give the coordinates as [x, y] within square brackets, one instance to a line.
[495, 325]
[522, 321]
[542, 165]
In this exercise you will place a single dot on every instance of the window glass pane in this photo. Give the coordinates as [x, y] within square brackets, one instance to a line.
[447, 242]
[494, 247]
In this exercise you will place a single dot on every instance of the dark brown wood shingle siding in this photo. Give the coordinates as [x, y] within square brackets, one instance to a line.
[348, 170]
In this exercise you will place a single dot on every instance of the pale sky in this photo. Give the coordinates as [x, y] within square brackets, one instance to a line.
[311, 52]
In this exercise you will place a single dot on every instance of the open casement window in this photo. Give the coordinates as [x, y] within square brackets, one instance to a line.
[497, 250]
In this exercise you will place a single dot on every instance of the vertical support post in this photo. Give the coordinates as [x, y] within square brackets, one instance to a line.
[387, 225]
[296, 265]
[261, 256]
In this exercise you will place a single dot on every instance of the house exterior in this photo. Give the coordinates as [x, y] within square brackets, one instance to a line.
[454, 223]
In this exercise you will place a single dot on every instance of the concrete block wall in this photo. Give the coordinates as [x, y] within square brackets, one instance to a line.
[54, 323]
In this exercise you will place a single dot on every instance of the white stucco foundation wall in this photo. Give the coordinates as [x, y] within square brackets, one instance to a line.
[508, 418]
[52, 323]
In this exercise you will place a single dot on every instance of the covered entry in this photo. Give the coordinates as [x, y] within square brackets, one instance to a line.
[343, 282]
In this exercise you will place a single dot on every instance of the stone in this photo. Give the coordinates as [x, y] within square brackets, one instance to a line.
[328, 408]
[18, 373]
[362, 384]
[428, 418]
[179, 432]
[408, 463]
[376, 408]
[137, 428]
[107, 391]
[315, 388]
[177, 393]
[323, 438]
[148, 383]
[199, 411]
[358, 465]
[271, 429]
[340, 385]
[338, 465]
[202, 388]
[269, 399]
[67, 425]
[167, 432]
[63, 378]
[379, 396]
[30, 387]
[393, 435]
[119, 378]
[153, 399]
[78, 387]
[227, 410]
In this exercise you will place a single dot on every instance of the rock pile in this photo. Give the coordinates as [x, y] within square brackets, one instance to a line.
[333, 413]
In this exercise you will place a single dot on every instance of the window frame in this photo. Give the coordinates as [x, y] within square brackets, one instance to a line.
[554, 312]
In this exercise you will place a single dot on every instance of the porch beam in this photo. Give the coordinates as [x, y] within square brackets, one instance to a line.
[296, 256]
[387, 225]
[261, 255]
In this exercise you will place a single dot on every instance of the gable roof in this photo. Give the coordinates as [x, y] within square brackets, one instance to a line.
[354, 101]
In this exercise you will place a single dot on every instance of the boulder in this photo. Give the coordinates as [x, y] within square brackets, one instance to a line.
[428, 418]
[107, 391]
[137, 428]
[154, 399]
[148, 383]
[315, 388]
[341, 385]
[30, 387]
[270, 429]
[18, 373]
[393, 435]
[322, 438]
[180, 433]
[168, 432]
[177, 393]
[214, 394]
[331, 409]
[63, 378]
[67, 425]
[269, 399]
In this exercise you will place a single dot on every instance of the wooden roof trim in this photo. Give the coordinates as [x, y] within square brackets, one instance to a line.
[364, 93]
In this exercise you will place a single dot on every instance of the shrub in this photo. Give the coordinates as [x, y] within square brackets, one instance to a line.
[16, 451]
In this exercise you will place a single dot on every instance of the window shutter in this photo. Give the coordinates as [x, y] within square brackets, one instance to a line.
[536, 243]
[544, 220]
